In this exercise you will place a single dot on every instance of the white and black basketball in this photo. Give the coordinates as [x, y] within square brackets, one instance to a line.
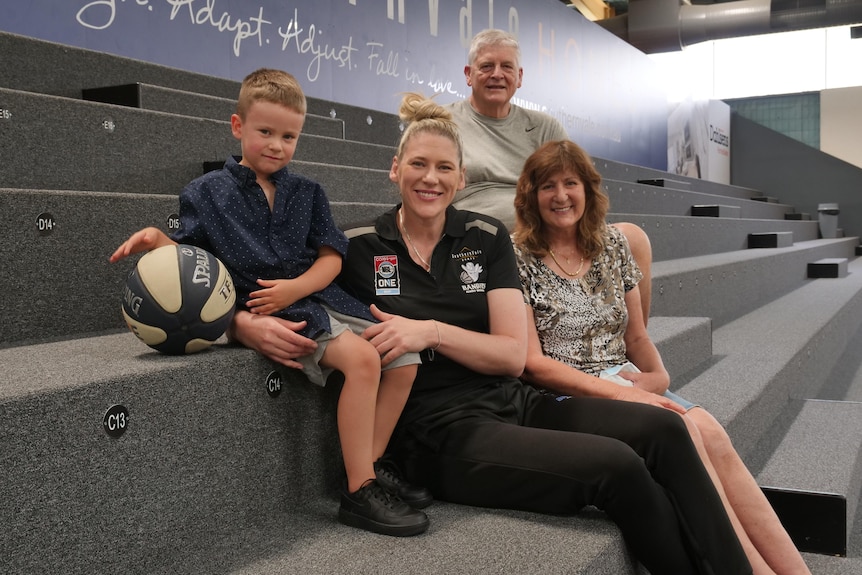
[179, 299]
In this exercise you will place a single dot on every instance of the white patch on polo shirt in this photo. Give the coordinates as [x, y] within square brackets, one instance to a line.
[386, 278]
[470, 277]
[470, 270]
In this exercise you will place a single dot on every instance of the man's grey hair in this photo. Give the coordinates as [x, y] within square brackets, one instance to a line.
[493, 38]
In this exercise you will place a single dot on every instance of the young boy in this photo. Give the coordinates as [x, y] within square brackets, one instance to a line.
[274, 232]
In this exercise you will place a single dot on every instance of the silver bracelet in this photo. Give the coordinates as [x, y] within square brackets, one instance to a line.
[431, 350]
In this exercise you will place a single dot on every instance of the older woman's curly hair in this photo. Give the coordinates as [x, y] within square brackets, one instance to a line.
[548, 161]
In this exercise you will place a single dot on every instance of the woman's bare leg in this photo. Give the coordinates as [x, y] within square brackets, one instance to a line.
[758, 563]
[753, 510]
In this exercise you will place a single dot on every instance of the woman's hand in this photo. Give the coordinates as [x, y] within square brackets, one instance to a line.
[273, 337]
[396, 335]
[500, 352]
[638, 395]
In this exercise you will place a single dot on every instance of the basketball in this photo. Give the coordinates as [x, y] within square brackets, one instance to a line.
[179, 299]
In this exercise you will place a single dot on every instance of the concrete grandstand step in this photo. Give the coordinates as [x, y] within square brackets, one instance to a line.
[664, 182]
[348, 183]
[500, 542]
[348, 214]
[128, 476]
[845, 378]
[621, 171]
[148, 152]
[324, 118]
[107, 148]
[683, 342]
[716, 211]
[206, 443]
[780, 351]
[35, 65]
[61, 283]
[159, 99]
[344, 184]
[770, 240]
[639, 198]
[360, 124]
[674, 237]
[58, 276]
[820, 453]
[728, 285]
[39, 66]
[828, 268]
[86, 227]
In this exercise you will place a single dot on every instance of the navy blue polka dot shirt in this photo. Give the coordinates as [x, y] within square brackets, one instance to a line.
[226, 212]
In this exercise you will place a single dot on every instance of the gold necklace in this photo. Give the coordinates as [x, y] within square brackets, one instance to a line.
[565, 271]
[425, 264]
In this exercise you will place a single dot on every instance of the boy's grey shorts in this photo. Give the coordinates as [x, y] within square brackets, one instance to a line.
[339, 323]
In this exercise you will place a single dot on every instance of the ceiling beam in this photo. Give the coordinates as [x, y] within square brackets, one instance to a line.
[593, 9]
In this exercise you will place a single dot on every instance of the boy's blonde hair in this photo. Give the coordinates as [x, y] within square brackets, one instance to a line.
[268, 85]
[423, 115]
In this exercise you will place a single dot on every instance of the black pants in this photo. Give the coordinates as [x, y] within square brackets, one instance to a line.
[636, 462]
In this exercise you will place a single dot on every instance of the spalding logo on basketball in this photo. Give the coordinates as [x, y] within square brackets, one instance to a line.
[179, 299]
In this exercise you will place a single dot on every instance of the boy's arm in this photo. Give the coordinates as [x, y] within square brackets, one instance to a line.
[143, 240]
[322, 272]
[278, 294]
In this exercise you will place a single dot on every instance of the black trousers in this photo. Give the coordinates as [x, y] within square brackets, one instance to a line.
[636, 462]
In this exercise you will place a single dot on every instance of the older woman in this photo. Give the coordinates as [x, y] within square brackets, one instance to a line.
[580, 280]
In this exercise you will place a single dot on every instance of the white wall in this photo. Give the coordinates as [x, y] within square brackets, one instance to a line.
[841, 124]
[777, 63]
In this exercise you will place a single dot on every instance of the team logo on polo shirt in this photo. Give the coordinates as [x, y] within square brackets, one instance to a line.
[470, 273]
[471, 270]
[386, 280]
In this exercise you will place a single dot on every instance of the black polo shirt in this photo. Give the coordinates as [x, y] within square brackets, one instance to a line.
[474, 257]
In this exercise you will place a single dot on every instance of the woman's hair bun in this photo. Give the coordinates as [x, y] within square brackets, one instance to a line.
[416, 107]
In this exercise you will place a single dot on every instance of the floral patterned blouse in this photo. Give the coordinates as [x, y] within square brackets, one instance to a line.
[581, 322]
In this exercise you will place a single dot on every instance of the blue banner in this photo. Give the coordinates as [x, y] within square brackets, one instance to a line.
[367, 52]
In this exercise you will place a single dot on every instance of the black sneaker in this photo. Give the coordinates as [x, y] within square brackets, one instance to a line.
[375, 509]
[389, 476]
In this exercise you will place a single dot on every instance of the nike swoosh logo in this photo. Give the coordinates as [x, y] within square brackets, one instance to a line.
[531, 128]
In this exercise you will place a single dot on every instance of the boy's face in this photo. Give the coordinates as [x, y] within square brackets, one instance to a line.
[268, 136]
